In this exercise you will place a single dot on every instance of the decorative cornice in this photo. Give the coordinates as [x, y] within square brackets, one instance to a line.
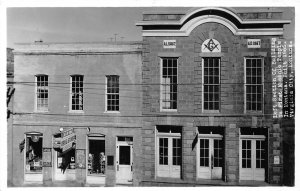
[219, 15]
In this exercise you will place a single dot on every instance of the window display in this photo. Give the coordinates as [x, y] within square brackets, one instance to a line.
[34, 144]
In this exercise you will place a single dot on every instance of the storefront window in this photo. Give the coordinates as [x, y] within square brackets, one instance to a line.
[34, 144]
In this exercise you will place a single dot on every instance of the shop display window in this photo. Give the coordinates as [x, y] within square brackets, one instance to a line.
[34, 154]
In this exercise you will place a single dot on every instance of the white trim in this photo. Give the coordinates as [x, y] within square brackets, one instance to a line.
[167, 33]
[188, 15]
[207, 136]
[258, 137]
[168, 134]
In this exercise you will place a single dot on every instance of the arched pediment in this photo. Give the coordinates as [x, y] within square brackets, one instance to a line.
[226, 17]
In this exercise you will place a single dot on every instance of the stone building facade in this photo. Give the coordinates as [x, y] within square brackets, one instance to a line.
[207, 98]
[75, 111]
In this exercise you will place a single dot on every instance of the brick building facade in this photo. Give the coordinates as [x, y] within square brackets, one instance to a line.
[207, 98]
[75, 111]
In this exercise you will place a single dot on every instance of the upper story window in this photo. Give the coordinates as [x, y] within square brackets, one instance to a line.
[211, 83]
[168, 98]
[77, 92]
[41, 93]
[254, 83]
[112, 93]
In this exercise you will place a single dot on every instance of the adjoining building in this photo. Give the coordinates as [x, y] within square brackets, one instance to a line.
[77, 111]
[207, 97]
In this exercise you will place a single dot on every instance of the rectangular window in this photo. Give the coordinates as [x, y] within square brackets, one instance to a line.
[204, 152]
[218, 153]
[42, 93]
[77, 92]
[254, 84]
[112, 93]
[169, 84]
[260, 154]
[163, 151]
[176, 151]
[246, 154]
[211, 83]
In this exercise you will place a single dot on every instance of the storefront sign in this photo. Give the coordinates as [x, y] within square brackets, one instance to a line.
[68, 140]
[169, 43]
[254, 43]
[47, 157]
[276, 160]
[211, 45]
[283, 77]
[80, 158]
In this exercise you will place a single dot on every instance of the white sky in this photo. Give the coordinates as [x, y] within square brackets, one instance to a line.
[77, 24]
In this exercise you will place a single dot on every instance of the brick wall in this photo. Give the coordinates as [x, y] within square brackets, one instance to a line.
[231, 115]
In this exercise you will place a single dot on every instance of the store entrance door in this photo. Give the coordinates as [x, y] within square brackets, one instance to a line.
[252, 157]
[64, 165]
[210, 156]
[124, 160]
[96, 160]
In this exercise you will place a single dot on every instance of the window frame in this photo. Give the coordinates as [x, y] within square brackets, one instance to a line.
[36, 108]
[161, 84]
[262, 84]
[70, 100]
[208, 110]
[106, 94]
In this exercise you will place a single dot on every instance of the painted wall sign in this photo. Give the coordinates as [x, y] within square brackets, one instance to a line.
[169, 43]
[80, 158]
[47, 157]
[211, 45]
[276, 160]
[254, 43]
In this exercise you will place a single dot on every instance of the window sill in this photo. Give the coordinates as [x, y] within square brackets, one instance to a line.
[253, 112]
[168, 110]
[211, 111]
[41, 111]
[113, 112]
[76, 111]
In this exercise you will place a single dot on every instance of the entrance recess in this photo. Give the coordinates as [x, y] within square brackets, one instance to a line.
[252, 157]
[210, 156]
[124, 160]
[64, 165]
[96, 160]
